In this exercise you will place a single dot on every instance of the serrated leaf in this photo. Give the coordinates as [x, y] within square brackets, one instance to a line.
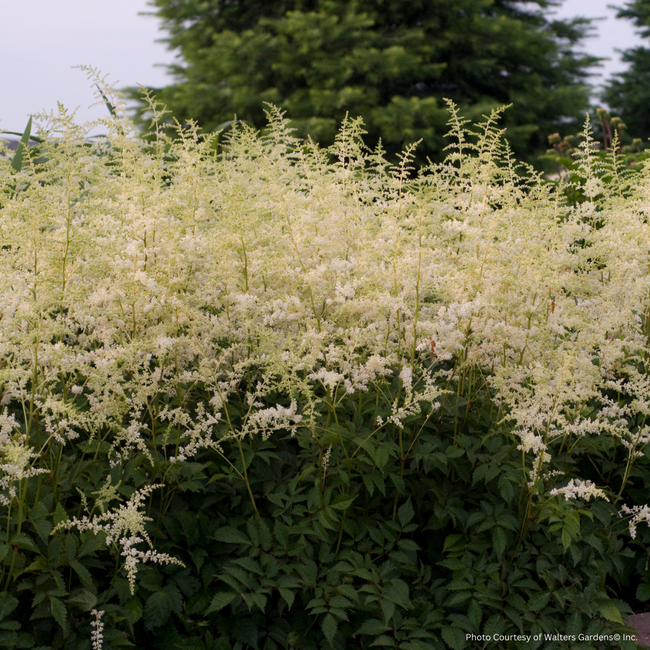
[499, 540]
[84, 600]
[231, 535]
[349, 591]
[538, 601]
[454, 452]
[60, 515]
[643, 591]
[610, 612]
[288, 596]
[494, 625]
[58, 611]
[24, 541]
[405, 513]
[43, 528]
[134, 608]
[475, 614]
[372, 626]
[342, 502]
[454, 637]
[82, 572]
[398, 592]
[388, 608]
[7, 604]
[219, 601]
[329, 627]
[160, 604]
[566, 539]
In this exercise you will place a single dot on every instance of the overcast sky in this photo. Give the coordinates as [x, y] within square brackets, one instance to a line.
[43, 39]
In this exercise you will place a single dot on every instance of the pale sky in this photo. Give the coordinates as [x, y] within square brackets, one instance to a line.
[43, 39]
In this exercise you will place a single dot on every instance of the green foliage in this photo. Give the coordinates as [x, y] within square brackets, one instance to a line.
[627, 92]
[392, 63]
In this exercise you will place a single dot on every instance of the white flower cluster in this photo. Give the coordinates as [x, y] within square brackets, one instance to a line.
[97, 633]
[577, 489]
[15, 458]
[637, 514]
[178, 276]
[124, 526]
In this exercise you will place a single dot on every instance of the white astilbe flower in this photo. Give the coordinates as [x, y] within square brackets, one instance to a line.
[265, 421]
[127, 440]
[413, 399]
[577, 489]
[200, 433]
[637, 515]
[15, 458]
[124, 526]
[96, 635]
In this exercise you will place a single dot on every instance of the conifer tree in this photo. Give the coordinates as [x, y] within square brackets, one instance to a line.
[390, 61]
[628, 94]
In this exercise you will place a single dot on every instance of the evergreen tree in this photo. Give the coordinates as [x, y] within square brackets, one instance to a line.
[390, 61]
[628, 95]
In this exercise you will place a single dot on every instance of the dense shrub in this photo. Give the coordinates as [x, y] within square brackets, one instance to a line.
[268, 396]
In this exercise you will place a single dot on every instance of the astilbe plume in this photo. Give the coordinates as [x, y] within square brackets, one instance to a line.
[133, 273]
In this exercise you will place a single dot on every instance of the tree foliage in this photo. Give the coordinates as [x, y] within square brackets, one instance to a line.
[629, 93]
[391, 62]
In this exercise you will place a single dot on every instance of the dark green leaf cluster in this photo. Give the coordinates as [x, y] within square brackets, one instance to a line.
[377, 546]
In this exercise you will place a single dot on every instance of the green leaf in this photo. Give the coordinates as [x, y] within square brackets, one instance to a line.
[231, 535]
[82, 572]
[84, 600]
[58, 611]
[288, 596]
[408, 545]
[475, 614]
[454, 541]
[538, 601]
[566, 538]
[454, 452]
[372, 626]
[398, 592]
[193, 643]
[219, 601]
[17, 162]
[134, 608]
[499, 540]
[329, 627]
[494, 625]
[454, 637]
[60, 515]
[43, 527]
[160, 604]
[405, 513]
[388, 609]
[342, 502]
[643, 591]
[610, 611]
[24, 541]
[7, 604]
